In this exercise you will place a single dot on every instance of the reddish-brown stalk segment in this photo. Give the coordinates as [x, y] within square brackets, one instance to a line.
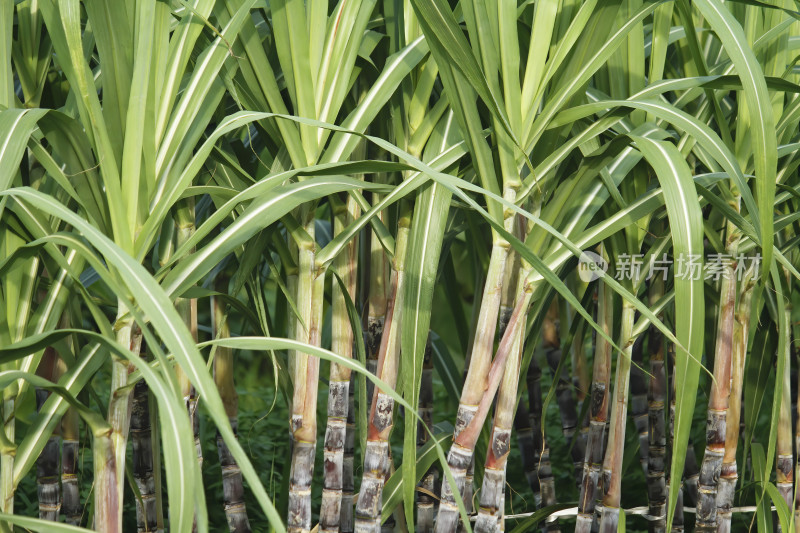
[379, 272]
[717, 408]
[493, 487]
[376, 456]
[598, 412]
[339, 384]
[108, 505]
[729, 474]
[471, 419]
[310, 288]
[522, 423]
[612, 462]
[564, 398]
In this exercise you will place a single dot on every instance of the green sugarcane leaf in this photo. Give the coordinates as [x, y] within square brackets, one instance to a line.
[686, 224]
[41, 525]
[194, 93]
[64, 25]
[702, 134]
[763, 509]
[451, 47]
[179, 451]
[421, 263]
[158, 307]
[138, 76]
[16, 126]
[95, 421]
[529, 524]
[727, 28]
[757, 373]
[784, 515]
[260, 214]
[408, 185]
[6, 40]
[172, 55]
[114, 41]
[784, 357]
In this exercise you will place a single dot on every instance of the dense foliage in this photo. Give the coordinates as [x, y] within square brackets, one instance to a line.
[399, 265]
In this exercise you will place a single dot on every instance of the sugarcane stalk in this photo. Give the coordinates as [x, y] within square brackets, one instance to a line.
[493, 487]
[347, 521]
[717, 409]
[598, 412]
[376, 456]
[568, 411]
[470, 418]
[474, 391]
[70, 490]
[119, 411]
[797, 439]
[310, 289]
[612, 462]
[509, 289]
[141, 438]
[7, 452]
[107, 497]
[522, 425]
[47, 486]
[391, 522]
[581, 382]
[378, 302]
[339, 388]
[657, 429]
[691, 471]
[232, 488]
[657, 491]
[541, 450]
[425, 502]
[785, 462]
[657, 434]
[729, 474]
[187, 309]
[639, 402]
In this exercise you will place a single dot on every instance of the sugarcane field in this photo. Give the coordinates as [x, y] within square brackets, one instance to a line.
[400, 266]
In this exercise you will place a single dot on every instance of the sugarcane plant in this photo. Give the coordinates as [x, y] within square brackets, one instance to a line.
[480, 238]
